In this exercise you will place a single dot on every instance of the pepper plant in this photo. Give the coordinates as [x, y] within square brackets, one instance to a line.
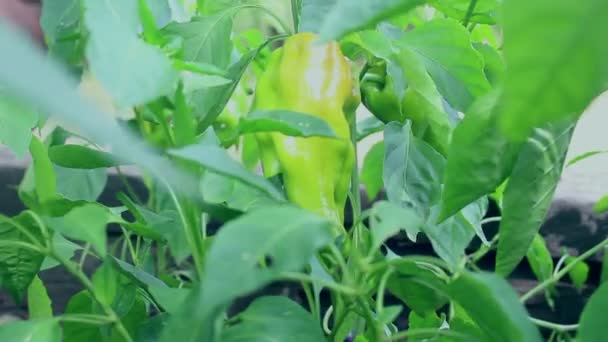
[242, 119]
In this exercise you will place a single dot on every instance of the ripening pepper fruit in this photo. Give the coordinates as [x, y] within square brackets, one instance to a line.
[307, 77]
[429, 121]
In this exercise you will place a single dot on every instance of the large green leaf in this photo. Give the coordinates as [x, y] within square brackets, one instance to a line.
[276, 319]
[25, 72]
[480, 158]
[313, 12]
[456, 67]
[412, 169]
[493, 304]
[548, 82]
[247, 253]
[38, 301]
[217, 160]
[80, 185]
[87, 223]
[18, 265]
[286, 122]
[530, 192]
[131, 71]
[593, 323]
[47, 330]
[81, 157]
[16, 122]
[206, 39]
[347, 16]
[417, 286]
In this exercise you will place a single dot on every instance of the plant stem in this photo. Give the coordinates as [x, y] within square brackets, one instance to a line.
[268, 11]
[128, 186]
[354, 181]
[312, 306]
[557, 276]
[329, 284]
[83, 256]
[326, 318]
[469, 14]
[85, 319]
[295, 14]
[382, 289]
[554, 326]
[88, 285]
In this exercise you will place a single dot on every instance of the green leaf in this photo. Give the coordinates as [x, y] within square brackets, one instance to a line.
[217, 160]
[493, 304]
[206, 39]
[16, 122]
[388, 219]
[248, 253]
[549, 82]
[451, 237]
[105, 282]
[286, 122]
[140, 276]
[412, 169]
[63, 247]
[347, 16]
[417, 286]
[184, 126]
[170, 299]
[131, 71]
[211, 103]
[57, 17]
[601, 206]
[47, 330]
[494, 64]
[274, 318]
[234, 194]
[38, 301]
[80, 185]
[87, 223]
[530, 191]
[368, 126]
[427, 320]
[81, 157]
[44, 174]
[18, 265]
[578, 273]
[457, 69]
[60, 23]
[28, 74]
[484, 12]
[168, 225]
[480, 158]
[540, 259]
[372, 170]
[584, 156]
[81, 303]
[592, 322]
[313, 13]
